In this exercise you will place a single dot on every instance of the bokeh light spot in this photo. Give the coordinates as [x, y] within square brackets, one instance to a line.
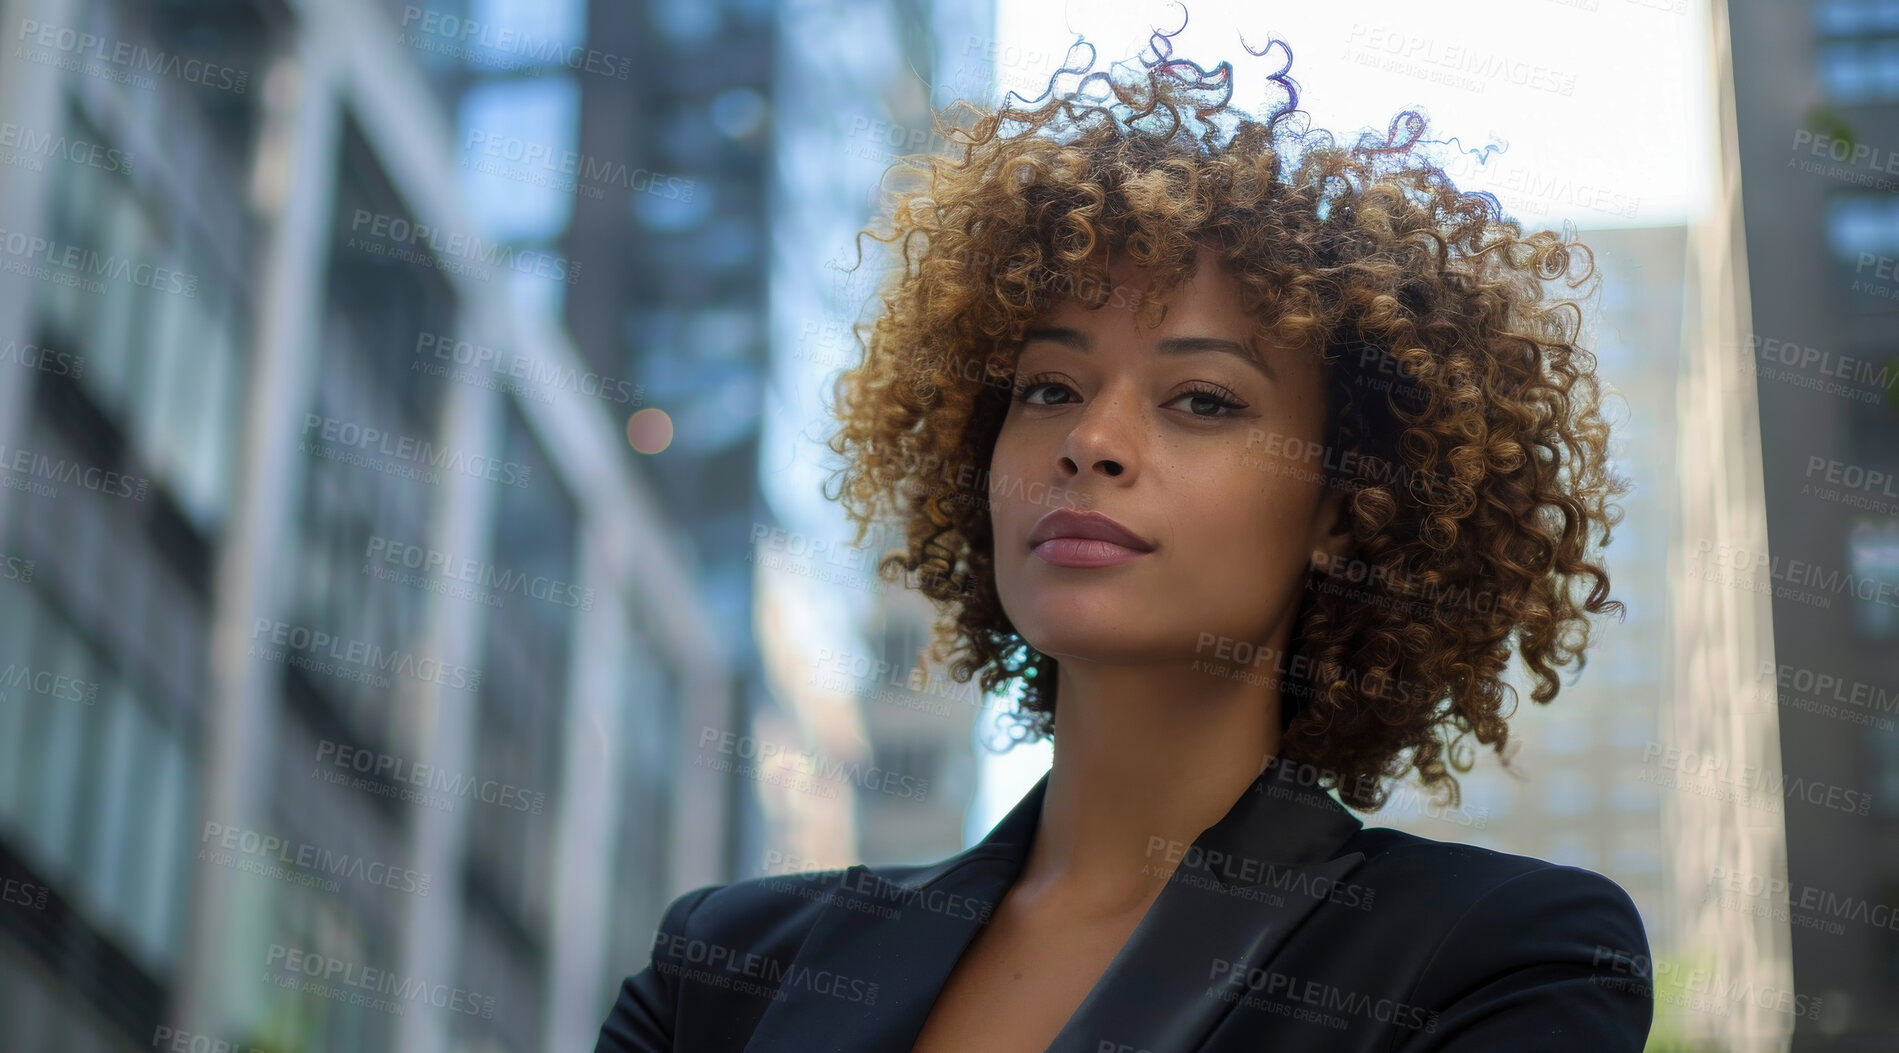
[650, 430]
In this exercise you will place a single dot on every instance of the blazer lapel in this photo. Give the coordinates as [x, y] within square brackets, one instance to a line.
[1235, 897]
[1236, 894]
[904, 937]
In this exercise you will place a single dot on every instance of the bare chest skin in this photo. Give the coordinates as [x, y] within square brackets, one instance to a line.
[1019, 981]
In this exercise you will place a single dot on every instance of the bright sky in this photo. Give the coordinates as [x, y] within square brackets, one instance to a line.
[1602, 102]
[1604, 106]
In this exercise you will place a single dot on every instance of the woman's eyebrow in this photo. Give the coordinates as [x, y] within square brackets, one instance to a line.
[1173, 345]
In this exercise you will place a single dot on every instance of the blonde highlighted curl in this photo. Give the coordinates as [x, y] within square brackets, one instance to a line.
[1464, 418]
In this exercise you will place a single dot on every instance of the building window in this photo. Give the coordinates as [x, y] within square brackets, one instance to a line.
[362, 497]
[328, 929]
[1568, 792]
[1484, 795]
[522, 701]
[910, 770]
[1872, 557]
[96, 779]
[1862, 237]
[1858, 49]
[1881, 746]
[1872, 533]
[1632, 862]
[1628, 795]
[519, 166]
[1860, 225]
[166, 364]
[1631, 730]
[1572, 732]
[545, 32]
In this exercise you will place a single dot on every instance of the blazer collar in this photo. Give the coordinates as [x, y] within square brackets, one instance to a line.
[1236, 894]
[1283, 817]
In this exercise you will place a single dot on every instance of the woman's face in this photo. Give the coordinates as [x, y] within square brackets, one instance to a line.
[1196, 439]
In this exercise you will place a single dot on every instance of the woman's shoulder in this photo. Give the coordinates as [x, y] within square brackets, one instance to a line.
[1461, 870]
[1476, 895]
[1501, 946]
[764, 909]
[774, 913]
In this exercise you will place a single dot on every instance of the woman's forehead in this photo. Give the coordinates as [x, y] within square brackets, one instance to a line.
[1210, 295]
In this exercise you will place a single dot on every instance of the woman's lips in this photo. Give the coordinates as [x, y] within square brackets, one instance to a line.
[1084, 552]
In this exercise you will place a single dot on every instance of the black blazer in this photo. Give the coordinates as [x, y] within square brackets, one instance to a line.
[1285, 927]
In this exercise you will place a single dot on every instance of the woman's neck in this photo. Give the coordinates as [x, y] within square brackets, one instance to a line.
[1146, 758]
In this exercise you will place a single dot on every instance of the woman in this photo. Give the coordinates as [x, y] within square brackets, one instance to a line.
[1281, 446]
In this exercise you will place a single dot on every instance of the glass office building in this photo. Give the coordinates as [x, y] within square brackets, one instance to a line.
[339, 626]
[1817, 86]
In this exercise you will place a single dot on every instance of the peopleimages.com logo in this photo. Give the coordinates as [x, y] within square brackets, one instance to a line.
[353, 659]
[517, 366]
[445, 32]
[90, 53]
[498, 580]
[83, 266]
[172, 1040]
[454, 251]
[770, 755]
[34, 144]
[48, 683]
[405, 455]
[371, 987]
[260, 853]
[444, 782]
[568, 171]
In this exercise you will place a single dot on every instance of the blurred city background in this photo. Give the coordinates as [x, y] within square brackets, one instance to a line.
[411, 423]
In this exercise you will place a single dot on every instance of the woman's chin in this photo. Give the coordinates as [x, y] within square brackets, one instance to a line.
[1110, 642]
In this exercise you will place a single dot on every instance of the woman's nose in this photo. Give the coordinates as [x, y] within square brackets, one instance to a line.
[1105, 437]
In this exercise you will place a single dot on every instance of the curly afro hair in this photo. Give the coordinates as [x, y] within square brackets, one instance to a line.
[1464, 419]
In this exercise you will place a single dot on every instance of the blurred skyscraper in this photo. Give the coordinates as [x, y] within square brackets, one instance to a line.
[344, 645]
[854, 86]
[676, 294]
[1817, 95]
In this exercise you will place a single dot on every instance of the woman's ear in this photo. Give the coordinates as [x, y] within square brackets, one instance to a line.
[1332, 541]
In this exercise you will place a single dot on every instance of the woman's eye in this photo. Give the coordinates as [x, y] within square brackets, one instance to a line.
[1205, 403]
[1209, 401]
[1026, 393]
